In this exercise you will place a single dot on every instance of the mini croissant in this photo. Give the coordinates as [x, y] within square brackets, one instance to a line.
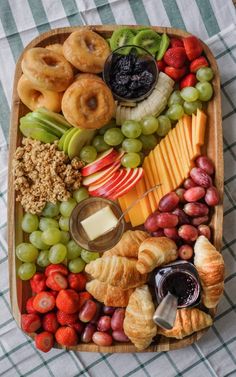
[210, 267]
[115, 270]
[108, 294]
[138, 323]
[129, 244]
[154, 252]
[187, 322]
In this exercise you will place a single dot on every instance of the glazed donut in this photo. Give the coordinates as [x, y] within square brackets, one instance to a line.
[56, 47]
[86, 50]
[33, 97]
[47, 69]
[88, 102]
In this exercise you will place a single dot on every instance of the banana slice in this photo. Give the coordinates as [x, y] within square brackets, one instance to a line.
[118, 115]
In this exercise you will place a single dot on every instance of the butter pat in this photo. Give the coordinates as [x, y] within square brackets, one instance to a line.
[99, 223]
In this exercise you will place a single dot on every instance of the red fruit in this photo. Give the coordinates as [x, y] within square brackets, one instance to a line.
[204, 230]
[38, 282]
[188, 183]
[175, 57]
[66, 319]
[30, 322]
[176, 42]
[83, 297]
[193, 47]
[44, 341]
[183, 218]
[188, 232]
[56, 268]
[56, 281]
[196, 209]
[171, 233]
[77, 281]
[200, 220]
[151, 223]
[185, 252]
[50, 322]
[198, 63]
[67, 301]
[205, 164]
[180, 192]
[188, 80]
[169, 202]
[43, 302]
[87, 311]
[78, 326]
[175, 73]
[119, 336]
[167, 220]
[158, 233]
[102, 338]
[29, 306]
[88, 332]
[194, 194]
[117, 319]
[53, 293]
[212, 197]
[200, 177]
[161, 65]
[66, 336]
[104, 323]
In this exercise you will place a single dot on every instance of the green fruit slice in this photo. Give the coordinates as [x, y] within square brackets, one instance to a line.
[122, 37]
[78, 141]
[37, 133]
[34, 117]
[68, 138]
[149, 40]
[60, 119]
[31, 123]
[165, 41]
[52, 123]
[62, 139]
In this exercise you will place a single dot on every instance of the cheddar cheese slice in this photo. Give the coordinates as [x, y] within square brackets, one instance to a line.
[200, 127]
[165, 155]
[150, 173]
[151, 195]
[176, 171]
[122, 204]
[167, 185]
[135, 213]
[187, 122]
[185, 145]
[176, 150]
[144, 202]
[183, 149]
[196, 148]
[156, 176]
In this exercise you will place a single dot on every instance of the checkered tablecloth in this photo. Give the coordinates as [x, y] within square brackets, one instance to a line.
[213, 21]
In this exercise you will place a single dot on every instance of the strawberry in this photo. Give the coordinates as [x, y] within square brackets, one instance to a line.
[38, 282]
[77, 281]
[84, 296]
[66, 319]
[29, 306]
[176, 42]
[56, 281]
[53, 293]
[175, 57]
[44, 341]
[193, 47]
[66, 336]
[161, 65]
[43, 302]
[79, 327]
[56, 268]
[175, 73]
[198, 63]
[30, 322]
[188, 80]
[67, 301]
[50, 322]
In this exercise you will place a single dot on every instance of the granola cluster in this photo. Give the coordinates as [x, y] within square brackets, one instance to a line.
[43, 174]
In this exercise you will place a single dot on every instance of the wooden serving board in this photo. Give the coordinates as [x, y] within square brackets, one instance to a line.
[19, 290]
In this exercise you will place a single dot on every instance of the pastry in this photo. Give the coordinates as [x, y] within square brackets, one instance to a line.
[129, 244]
[187, 322]
[210, 267]
[115, 270]
[154, 252]
[138, 323]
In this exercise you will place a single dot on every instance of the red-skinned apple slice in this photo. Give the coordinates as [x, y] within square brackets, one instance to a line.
[102, 188]
[105, 159]
[137, 175]
[126, 178]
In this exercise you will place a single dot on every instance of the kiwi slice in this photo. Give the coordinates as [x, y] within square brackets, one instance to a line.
[149, 40]
[165, 41]
[122, 37]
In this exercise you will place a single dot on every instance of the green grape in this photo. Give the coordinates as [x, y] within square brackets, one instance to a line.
[89, 256]
[42, 259]
[164, 125]
[51, 236]
[80, 194]
[148, 141]
[111, 124]
[175, 112]
[45, 223]
[174, 98]
[57, 253]
[29, 222]
[26, 252]
[191, 107]
[99, 143]
[131, 129]
[113, 136]
[64, 223]
[189, 94]
[67, 207]
[73, 250]
[76, 265]
[149, 125]
[205, 91]
[65, 237]
[36, 240]
[132, 145]
[204, 74]
[88, 154]
[51, 210]
[130, 160]
[26, 271]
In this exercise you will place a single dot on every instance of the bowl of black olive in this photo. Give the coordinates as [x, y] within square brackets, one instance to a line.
[131, 73]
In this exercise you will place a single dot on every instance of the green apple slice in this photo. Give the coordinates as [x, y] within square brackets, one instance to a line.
[43, 120]
[78, 140]
[37, 133]
[62, 139]
[68, 138]
[31, 123]
[54, 117]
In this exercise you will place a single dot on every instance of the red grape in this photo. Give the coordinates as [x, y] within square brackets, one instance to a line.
[97, 314]
[188, 232]
[204, 230]
[88, 332]
[166, 220]
[200, 220]
[119, 336]
[205, 164]
[180, 192]
[118, 319]
[188, 183]
[212, 197]
[183, 218]
[172, 233]
[158, 233]
[151, 223]
[194, 194]
[88, 311]
[185, 252]
[200, 177]
[104, 323]
[196, 209]
[108, 310]
[102, 338]
[169, 202]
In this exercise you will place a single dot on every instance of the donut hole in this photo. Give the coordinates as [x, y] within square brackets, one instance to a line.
[36, 95]
[49, 60]
[92, 103]
[89, 45]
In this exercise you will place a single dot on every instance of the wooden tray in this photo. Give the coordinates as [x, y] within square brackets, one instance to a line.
[20, 291]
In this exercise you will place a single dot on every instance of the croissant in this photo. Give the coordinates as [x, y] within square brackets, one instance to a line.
[154, 252]
[187, 322]
[138, 323]
[210, 266]
[129, 244]
[108, 294]
[115, 270]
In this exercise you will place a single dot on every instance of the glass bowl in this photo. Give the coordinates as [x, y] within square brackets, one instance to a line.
[145, 58]
[86, 208]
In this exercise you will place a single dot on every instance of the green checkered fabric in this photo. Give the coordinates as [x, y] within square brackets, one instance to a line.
[21, 21]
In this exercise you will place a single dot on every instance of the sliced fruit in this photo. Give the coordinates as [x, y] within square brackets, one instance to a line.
[198, 63]
[137, 175]
[165, 41]
[68, 139]
[188, 80]
[193, 47]
[78, 140]
[122, 37]
[106, 158]
[41, 117]
[32, 123]
[175, 73]
[124, 178]
[101, 175]
[175, 57]
[50, 115]
[62, 139]
[149, 40]
[109, 184]
[37, 133]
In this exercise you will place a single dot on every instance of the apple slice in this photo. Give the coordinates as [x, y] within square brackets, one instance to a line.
[137, 175]
[125, 178]
[106, 158]
[102, 188]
